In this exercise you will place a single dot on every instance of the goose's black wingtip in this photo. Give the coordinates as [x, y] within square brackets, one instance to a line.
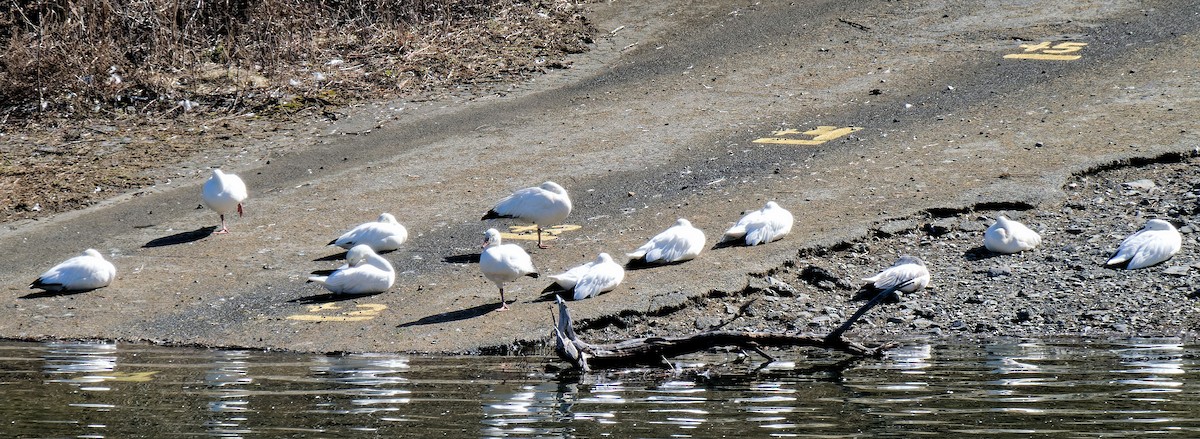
[492, 214]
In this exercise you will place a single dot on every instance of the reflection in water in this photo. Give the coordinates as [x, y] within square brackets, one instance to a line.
[229, 373]
[80, 363]
[1154, 363]
[372, 382]
[1017, 388]
[533, 410]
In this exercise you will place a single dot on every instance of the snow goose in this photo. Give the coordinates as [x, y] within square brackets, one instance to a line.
[1008, 236]
[603, 275]
[761, 226]
[383, 234]
[224, 194]
[88, 271]
[567, 279]
[544, 205]
[680, 242]
[907, 268]
[1156, 242]
[365, 272]
[501, 263]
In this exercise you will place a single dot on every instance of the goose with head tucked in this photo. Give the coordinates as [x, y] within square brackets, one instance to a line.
[680, 242]
[1156, 242]
[365, 272]
[502, 263]
[384, 234]
[761, 226]
[907, 269]
[567, 279]
[1007, 236]
[224, 194]
[85, 272]
[603, 275]
[544, 205]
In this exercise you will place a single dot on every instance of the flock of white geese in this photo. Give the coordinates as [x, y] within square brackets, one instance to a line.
[365, 272]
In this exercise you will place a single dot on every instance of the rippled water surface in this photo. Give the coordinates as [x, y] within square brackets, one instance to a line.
[1014, 388]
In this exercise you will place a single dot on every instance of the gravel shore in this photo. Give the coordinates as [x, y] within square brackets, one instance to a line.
[1060, 288]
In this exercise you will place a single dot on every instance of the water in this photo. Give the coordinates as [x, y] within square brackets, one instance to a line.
[1011, 388]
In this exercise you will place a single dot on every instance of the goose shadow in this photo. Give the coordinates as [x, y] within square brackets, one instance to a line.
[469, 258]
[453, 316]
[548, 294]
[641, 264]
[48, 293]
[979, 253]
[181, 238]
[342, 255]
[329, 298]
[333, 257]
[729, 243]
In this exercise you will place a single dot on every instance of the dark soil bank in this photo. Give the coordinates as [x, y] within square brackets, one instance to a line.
[1059, 288]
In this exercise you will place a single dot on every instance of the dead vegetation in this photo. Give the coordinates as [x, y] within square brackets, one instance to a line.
[93, 92]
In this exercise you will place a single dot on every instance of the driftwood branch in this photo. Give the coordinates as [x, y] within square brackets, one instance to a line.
[653, 350]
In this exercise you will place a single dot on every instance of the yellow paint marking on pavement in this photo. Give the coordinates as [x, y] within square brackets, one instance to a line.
[1044, 51]
[529, 233]
[820, 134]
[370, 311]
[131, 377]
[1042, 57]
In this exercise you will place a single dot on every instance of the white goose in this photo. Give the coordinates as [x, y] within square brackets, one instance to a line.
[567, 279]
[544, 205]
[502, 263]
[907, 268]
[1156, 242]
[224, 194]
[87, 271]
[383, 234]
[364, 273]
[680, 242]
[603, 275]
[761, 226]
[1008, 236]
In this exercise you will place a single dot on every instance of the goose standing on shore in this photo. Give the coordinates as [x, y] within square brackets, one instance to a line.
[543, 205]
[502, 263]
[1007, 236]
[224, 194]
[365, 272]
[384, 234]
[761, 226]
[680, 242]
[85, 272]
[1156, 242]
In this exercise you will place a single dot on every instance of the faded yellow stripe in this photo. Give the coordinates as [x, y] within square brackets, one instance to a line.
[1042, 56]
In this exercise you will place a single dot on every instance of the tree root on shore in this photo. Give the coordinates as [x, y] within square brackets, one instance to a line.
[653, 350]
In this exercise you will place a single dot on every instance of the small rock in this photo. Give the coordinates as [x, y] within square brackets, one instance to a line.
[971, 226]
[1002, 270]
[896, 227]
[1177, 270]
[958, 325]
[1140, 185]
[706, 322]
[1023, 316]
[939, 227]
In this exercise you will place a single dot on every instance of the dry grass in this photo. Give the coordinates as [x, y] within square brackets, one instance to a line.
[76, 73]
